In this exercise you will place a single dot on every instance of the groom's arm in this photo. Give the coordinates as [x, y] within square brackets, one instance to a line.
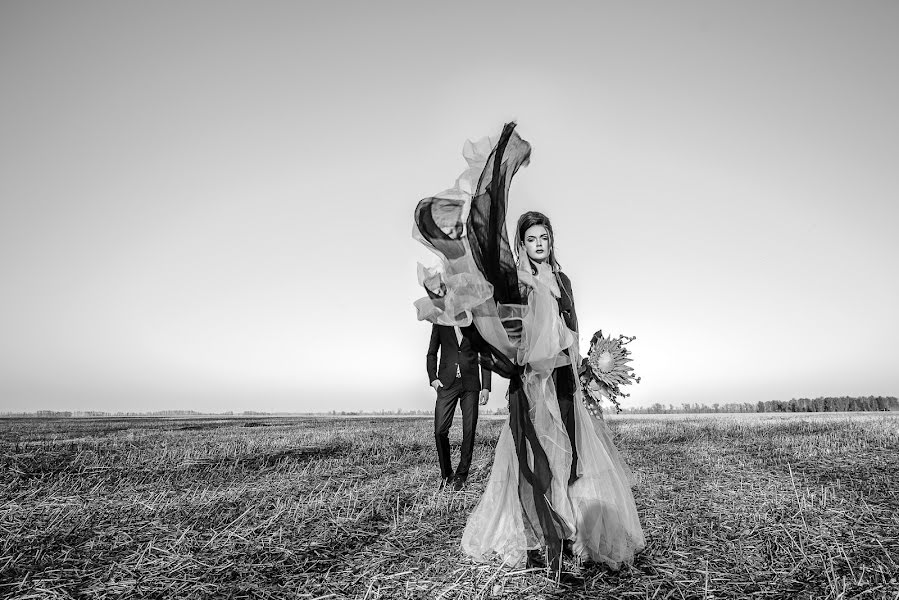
[432, 354]
[485, 378]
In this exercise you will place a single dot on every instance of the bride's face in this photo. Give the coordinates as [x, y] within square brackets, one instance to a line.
[537, 243]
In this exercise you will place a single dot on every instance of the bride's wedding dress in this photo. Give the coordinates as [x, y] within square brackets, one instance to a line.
[530, 501]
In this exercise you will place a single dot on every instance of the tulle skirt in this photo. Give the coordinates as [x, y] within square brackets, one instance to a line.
[598, 507]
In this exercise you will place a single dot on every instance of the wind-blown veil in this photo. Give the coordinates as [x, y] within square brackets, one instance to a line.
[512, 319]
[497, 317]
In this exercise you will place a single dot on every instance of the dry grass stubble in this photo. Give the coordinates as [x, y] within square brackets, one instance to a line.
[348, 508]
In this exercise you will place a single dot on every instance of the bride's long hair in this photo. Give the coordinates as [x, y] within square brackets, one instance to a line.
[525, 222]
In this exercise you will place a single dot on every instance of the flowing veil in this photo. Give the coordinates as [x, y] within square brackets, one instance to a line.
[512, 317]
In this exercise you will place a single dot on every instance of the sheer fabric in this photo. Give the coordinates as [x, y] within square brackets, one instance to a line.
[514, 314]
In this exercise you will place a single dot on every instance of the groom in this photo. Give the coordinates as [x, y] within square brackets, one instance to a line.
[456, 379]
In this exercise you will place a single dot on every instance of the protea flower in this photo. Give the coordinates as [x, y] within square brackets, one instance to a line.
[606, 364]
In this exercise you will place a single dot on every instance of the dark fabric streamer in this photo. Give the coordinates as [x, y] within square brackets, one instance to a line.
[564, 382]
[487, 218]
[489, 357]
[564, 377]
[492, 253]
[451, 247]
[540, 521]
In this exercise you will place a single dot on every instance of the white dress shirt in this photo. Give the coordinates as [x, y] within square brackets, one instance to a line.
[459, 340]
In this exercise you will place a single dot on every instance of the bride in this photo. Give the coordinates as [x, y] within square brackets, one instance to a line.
[557, 479]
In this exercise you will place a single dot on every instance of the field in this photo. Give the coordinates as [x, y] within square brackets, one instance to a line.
[754, 506]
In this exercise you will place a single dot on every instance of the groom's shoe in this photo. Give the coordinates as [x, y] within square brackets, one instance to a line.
[444, 482]
[459, 483]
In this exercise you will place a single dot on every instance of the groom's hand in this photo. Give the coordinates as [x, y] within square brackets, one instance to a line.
[436, 384]
[483, 396]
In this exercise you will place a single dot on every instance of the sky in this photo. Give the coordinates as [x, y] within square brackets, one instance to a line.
[208, 205]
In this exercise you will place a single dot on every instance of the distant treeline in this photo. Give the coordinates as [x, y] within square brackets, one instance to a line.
[157, 413]
[819, 404]
[57, 414]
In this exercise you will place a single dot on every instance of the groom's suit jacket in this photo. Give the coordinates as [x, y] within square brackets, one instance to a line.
[453, 354]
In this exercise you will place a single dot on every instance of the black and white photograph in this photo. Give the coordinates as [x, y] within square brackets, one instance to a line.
[454, 301]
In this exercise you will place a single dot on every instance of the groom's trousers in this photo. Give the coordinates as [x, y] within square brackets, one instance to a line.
[444, 409]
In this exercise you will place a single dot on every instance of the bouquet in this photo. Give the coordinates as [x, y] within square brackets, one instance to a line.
[606, 367]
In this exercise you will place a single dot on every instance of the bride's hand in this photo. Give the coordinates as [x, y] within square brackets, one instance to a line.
[599, 388]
